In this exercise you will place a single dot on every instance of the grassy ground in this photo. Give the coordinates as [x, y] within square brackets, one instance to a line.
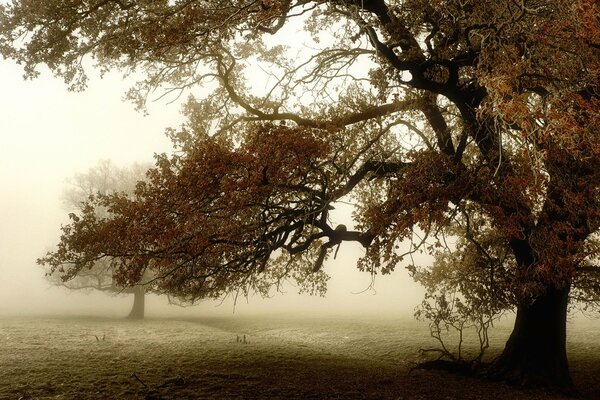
[79, 358]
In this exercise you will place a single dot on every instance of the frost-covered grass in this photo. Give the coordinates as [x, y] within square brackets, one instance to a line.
[95, 358]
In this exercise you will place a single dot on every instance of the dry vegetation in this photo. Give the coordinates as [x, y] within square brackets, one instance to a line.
[85, 358]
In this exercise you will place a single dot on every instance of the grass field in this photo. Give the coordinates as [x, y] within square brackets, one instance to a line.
[95, 358]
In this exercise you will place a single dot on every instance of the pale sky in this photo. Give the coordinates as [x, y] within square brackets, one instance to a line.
[47, 134]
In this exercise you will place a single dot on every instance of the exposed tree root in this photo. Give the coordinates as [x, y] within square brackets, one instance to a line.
[526, 378]
[517, 377]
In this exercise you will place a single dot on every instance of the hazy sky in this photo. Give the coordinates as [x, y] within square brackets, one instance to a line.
[48, 134]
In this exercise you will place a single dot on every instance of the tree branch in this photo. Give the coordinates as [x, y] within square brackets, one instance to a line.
[435, 118]
[378, 168]
[589, 269]
[345, 120]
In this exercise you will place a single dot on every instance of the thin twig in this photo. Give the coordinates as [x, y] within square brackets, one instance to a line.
[133, 375]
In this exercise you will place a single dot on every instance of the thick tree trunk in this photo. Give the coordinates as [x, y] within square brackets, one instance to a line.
[536, 354]
[139, 297]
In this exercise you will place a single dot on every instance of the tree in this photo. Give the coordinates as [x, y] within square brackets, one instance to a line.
[468, 288]
[103, 179]
[416, 110]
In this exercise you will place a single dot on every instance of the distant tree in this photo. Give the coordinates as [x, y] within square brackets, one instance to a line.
[415, 110]
[103, 179]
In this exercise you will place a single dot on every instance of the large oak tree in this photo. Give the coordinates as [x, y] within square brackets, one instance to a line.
[418, 111]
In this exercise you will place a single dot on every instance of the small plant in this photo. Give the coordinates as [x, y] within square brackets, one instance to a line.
[98, 339]
[465, 291]
[452, 323]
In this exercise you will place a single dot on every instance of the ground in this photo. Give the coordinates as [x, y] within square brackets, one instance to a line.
[309, 358]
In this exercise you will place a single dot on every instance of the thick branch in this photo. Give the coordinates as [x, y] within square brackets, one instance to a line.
[438, 124]
[377, 168]
[588, 269]
[345, 120]
[336, 237]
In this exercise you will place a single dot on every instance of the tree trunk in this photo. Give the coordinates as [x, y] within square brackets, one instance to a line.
[535, 353]
[139, 296]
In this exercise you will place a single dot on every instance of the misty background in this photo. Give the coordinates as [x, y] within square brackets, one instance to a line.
[48, 134]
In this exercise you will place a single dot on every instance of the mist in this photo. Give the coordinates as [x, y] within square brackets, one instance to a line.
[48, 134]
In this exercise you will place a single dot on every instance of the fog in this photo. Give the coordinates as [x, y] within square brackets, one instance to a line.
[48, 134]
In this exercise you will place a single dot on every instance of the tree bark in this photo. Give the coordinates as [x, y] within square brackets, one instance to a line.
[139, 297]
[535, 353]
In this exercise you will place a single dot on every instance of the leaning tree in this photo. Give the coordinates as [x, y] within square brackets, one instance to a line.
[417, 111]
[102, 179]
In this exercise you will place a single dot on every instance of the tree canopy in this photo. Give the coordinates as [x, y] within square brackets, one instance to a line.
[419, 112]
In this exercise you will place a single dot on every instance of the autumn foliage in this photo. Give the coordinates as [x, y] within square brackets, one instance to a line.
[420, 112]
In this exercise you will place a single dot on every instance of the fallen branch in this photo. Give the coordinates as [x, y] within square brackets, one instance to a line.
[133, 375]
[176, 381]
[460, 367]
